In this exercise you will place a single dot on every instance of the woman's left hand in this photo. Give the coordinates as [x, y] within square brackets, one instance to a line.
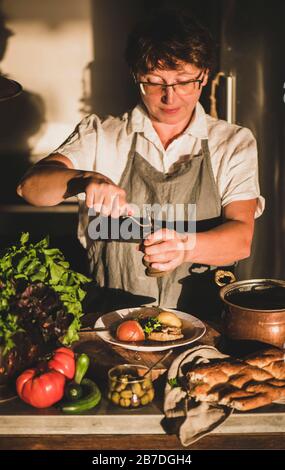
[165, 249]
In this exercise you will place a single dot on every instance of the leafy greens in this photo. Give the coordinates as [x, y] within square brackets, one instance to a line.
[36, 263]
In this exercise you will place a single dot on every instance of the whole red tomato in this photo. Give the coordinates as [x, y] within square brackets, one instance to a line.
[130, 330]
[40, 388]
[63, 361]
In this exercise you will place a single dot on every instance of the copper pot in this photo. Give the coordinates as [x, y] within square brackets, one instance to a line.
[255, 310]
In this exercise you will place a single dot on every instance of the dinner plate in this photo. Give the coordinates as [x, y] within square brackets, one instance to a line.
[192, 329]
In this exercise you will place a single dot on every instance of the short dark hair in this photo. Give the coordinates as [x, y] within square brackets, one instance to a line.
[166, 37]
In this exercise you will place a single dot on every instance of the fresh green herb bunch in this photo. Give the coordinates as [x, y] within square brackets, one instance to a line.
[8, 327]
[37, 263]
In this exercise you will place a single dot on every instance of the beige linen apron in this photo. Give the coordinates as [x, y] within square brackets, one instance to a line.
[118, 265]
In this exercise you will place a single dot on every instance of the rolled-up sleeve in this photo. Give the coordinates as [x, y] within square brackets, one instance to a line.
[80, 146]
[239, 175]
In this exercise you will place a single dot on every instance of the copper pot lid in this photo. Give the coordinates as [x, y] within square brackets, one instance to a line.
[9, 88]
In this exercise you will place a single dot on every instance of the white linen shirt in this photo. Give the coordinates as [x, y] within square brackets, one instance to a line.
[104, 146]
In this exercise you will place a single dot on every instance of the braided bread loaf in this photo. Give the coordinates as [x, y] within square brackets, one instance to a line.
[256, 381]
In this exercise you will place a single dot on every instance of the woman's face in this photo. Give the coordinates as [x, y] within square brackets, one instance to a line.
[169, 106]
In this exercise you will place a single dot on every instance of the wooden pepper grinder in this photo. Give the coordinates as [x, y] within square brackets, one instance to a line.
[152, 272]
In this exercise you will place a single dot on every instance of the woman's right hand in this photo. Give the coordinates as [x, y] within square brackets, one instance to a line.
[105, 197]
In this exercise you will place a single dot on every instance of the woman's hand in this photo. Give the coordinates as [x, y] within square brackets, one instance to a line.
[165, 249]
[105, 197]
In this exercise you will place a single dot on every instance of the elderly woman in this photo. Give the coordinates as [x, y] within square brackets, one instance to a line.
[166, 150]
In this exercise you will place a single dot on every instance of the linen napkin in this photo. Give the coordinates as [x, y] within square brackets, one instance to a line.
[191, 420]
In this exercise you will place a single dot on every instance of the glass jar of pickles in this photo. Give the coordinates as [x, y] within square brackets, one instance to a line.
[129, 387]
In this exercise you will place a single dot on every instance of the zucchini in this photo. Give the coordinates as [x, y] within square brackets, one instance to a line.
[91, 397]
[73, 391]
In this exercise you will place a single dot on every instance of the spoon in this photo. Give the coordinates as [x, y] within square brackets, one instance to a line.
[89, 329]
[157, 362]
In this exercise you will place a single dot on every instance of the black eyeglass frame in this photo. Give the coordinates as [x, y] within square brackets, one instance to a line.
[165, 85]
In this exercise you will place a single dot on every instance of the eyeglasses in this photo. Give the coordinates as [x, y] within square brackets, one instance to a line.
[181, 88]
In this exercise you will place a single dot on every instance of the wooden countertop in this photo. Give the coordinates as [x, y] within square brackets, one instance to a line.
[22, 427]
[136, 442]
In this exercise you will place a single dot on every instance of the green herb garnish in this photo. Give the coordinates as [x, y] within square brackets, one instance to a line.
[173, 382]
[150, 324]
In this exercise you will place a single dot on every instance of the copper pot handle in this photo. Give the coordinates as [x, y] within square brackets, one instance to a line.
[220, 273]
